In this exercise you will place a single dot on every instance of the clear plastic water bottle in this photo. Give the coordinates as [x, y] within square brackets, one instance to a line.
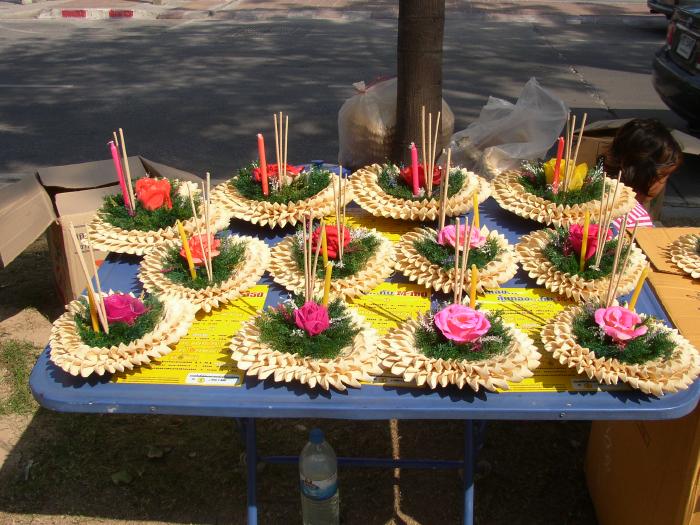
[318, 481]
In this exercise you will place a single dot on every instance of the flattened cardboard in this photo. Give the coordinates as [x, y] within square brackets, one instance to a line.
[25, 212]
[87, 175]
[680, 297]
[608, 128]
[655, 243]
[645, 472]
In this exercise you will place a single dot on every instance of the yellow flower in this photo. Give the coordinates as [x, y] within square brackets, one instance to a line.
[577, 177]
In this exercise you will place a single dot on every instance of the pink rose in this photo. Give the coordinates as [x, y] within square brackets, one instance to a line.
[461, 324]
[198, 255]
[576, 238]
[619, 323]
[447, 235]
[312, 317]
[123, 308]
[153, 193]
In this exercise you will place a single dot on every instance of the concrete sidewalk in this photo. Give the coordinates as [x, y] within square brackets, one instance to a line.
[633, 11]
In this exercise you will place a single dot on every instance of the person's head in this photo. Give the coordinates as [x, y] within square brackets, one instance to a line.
[647, 154]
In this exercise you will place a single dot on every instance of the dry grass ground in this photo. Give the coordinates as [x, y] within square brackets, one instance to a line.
[79, 469]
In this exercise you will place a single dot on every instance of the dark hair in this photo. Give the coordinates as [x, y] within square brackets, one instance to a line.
[640, 149]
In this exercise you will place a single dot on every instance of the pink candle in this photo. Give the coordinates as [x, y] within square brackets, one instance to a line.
[557, 165]
[263, 164]
[414, 169]
[120, 175]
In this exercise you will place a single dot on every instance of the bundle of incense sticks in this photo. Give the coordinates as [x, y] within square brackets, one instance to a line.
[310, 258]
[461, 266]
[616, 276]
[96, 301]
[206, 204]
[281, 141]
[339, 197]
[428, 149]
[444, 184]
[605, 216]
[125, 168]
[570, 161]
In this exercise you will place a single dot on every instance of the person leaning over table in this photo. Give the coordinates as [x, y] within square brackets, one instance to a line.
[647, 154]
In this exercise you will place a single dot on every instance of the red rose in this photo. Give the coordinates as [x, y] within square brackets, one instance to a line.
[272, 171]
[198, 255]
[331, 239]
[576, 239]
[407, 175]
[153, 193]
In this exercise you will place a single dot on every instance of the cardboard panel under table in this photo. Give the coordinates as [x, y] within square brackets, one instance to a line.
[57, 390]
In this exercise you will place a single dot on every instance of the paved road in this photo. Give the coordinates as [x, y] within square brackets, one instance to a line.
[194, 93]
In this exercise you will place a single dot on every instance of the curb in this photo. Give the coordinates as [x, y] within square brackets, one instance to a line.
[95, 13]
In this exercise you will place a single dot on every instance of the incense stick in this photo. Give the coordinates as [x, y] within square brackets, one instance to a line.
[100, 299]
[432, 153]
[278, 153]
[286, 140]
[467, 243]
[616, 261]
[609, 206]
[569, 149]
[457, 266]
[128, 170]
[319, 243]
[625, 260]
[443, 190]
[205, 194]
[199, 230]
[86, 274]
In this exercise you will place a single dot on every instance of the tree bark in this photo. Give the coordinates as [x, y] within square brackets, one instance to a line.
[419, 71]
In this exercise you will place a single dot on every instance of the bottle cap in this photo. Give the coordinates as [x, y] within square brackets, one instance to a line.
[316, 436]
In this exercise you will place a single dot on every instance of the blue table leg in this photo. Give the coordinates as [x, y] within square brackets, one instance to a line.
[251, 452]
[468, 473]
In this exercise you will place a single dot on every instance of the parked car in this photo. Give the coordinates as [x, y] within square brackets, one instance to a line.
[676, 69]
[665, 7]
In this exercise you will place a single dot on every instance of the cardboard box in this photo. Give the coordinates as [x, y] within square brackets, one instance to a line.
[645, 472]
[57, 196]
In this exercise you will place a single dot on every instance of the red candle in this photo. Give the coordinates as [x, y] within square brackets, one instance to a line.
[414, 169]
[120, 175]
[263, 164]
[557, 165]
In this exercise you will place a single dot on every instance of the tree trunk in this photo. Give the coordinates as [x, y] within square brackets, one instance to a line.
[419, 71]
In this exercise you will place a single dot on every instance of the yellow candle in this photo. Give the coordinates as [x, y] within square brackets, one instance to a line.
[324, 246]
[475, 205]
[472, 282]
[584, 241]
[327, 284]
[186, 246]
[638, 288]
[93, 312]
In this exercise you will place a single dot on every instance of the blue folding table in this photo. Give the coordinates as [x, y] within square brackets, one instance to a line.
[56, 390]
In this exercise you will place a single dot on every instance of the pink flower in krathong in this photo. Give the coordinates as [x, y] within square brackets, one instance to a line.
[123, 308]
[619, 323]
[312, 317]
[447, 236]
[153, 193]
[461, 324]
[576, 238]
[196, 247]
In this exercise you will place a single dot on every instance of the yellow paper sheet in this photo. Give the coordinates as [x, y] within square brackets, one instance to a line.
[392, 229]
[202, 357]
[389, 304]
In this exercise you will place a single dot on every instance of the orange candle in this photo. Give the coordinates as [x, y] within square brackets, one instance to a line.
[263, 164]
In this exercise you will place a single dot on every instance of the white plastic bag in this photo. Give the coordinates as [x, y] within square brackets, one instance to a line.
[509, 133]
[367, 120]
